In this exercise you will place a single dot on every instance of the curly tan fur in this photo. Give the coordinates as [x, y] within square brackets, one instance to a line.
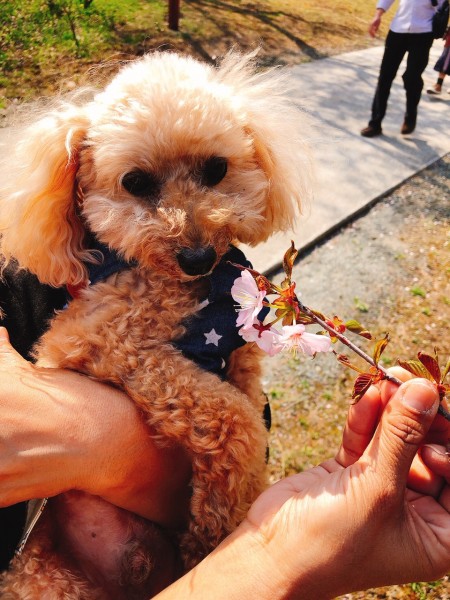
[165, 115]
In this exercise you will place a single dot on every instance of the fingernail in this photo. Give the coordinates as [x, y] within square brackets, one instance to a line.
[439, 450]
[436, 449]
[421, 395]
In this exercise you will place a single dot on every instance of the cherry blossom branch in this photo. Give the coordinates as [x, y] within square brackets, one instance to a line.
[344, 339]
[357, 350]
[250, 291]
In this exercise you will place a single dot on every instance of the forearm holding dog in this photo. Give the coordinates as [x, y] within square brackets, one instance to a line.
[62, 430]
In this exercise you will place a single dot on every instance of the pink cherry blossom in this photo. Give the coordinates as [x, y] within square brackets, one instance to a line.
[250, 298]
[266, 338]
[295, 337]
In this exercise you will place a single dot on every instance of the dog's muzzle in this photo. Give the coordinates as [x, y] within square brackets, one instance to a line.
[197, 261]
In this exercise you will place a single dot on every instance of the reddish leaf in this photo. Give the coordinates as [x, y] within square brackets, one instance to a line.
[416, 368]
[366, 334]
[303, 319]
[431, 364]
[289, 259]
[362, 384]
[337, 324]
[319, 314]
[280, 313]
[380, 347]
[344, 360]
[263, 283]
[357, 328]
[287, 319]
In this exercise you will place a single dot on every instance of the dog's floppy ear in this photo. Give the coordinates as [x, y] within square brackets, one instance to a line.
[39, 226]
[288, 174]
[280, 134]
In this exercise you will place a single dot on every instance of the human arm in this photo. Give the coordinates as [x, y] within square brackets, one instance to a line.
[61, 430]
[382, 7]
[376, 22]
[349, 524]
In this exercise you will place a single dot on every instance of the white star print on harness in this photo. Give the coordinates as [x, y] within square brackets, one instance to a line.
[212, 337]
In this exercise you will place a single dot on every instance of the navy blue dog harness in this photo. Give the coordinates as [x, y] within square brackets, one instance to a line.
[211, 334]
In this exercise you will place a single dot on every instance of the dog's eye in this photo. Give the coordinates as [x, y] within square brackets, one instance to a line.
[141, 184]
[213, 170]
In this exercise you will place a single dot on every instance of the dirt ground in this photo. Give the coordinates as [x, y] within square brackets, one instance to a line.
[390, 271]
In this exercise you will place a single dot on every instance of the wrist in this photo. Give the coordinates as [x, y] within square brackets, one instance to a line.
[124, 466]
[239, 566]
[314, 558]
[97, 454]
[301, 570]
[245, 562]
[79, 429]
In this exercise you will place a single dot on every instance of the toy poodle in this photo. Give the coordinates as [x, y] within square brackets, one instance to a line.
[135, 198]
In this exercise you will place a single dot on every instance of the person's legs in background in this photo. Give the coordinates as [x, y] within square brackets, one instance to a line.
[394, 51]
[437, 87]
[418, 56]
[442, 66]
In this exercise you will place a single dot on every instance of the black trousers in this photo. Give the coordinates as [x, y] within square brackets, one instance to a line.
[417, 45]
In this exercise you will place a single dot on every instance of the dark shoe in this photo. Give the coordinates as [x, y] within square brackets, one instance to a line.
[371, 131]
[407, 127]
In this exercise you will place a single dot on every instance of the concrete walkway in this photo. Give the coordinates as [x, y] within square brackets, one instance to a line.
[352, 171]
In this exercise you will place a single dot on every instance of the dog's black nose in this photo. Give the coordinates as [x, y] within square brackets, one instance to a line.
[197, 261]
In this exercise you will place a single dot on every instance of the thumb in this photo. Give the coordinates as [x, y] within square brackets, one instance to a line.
[403, 427]
[4, 336]
[6, 350]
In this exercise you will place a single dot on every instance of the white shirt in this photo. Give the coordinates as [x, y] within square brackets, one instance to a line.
[412, 16]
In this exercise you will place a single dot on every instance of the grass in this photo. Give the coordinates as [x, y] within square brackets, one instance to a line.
[48, 43]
